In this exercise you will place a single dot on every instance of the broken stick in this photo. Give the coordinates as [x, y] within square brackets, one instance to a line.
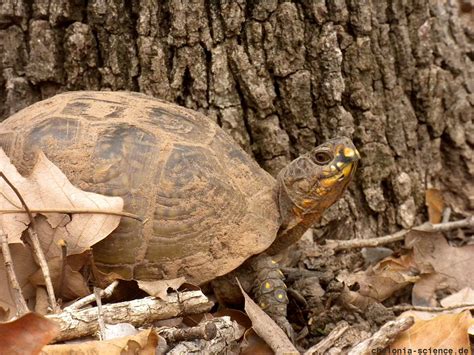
[383, 337]
[78, 323]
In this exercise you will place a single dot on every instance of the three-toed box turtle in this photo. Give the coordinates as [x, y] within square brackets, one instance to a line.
[207, 206]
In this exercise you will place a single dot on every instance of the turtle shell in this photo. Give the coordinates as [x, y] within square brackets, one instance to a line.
[206, 204]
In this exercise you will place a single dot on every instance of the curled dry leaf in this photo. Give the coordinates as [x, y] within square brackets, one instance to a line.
[382, 280]
[144, 343]
[442, 266]
[47, 187]
[447, 331]
[27, 334]
[159, 288]
[266, 328]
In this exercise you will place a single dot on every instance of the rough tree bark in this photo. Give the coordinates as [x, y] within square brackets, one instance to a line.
[280, 77]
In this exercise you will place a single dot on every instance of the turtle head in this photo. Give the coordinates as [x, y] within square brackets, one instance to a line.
[313, 182]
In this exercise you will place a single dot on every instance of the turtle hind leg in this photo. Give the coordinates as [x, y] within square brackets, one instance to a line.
[270, 291]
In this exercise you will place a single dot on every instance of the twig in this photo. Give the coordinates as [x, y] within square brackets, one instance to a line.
[324, 345]
[36, 247]
[100, 318]
[398, 236]
[404, 308]
[105, 293]
[228, 333]
[75, 211]
[63, 244]
[292, 274]
[446, 215]
[206, 331]
[383, 337]
[44, 269]
[18, 298]
[78, 323]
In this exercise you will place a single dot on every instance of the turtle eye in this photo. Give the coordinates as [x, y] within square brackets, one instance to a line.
[322, 158]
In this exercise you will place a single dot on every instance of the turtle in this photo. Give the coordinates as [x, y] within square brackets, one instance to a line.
[208, 207]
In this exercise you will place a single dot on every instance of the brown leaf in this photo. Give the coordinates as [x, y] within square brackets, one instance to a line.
[236, 315]
[159, 288]
[192, 320]
[382, 280]
[253, 344]
[435, 203]
[444, 267]
[356, 299]
[74, 284]
[27, 335]
[143, 343]
[266, 328]
[447, 331]
[464, 296]
[46, 188]
[24, 266]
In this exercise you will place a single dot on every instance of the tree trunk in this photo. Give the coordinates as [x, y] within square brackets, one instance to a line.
[280, 77]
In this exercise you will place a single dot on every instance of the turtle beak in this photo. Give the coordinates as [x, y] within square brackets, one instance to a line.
[343, 165]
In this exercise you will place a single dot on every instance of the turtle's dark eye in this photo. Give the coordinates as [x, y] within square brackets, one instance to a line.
[322, 158]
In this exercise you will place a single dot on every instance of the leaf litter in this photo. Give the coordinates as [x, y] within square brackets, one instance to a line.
[45, 189]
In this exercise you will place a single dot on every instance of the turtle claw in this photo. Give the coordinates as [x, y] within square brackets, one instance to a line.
[283, 323]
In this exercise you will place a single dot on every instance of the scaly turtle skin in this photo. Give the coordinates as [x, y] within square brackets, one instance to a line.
[208, 206]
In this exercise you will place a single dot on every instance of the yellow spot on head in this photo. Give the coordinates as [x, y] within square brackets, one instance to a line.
[347, 170]
[333, 168]
[339, 164]
[274, 262]
[280, 296]
[348, 152]
[329, 182]
[263, 305]
[267, 285]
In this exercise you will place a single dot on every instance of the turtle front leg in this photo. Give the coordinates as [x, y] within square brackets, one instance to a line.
[270, 291]
[261, 277]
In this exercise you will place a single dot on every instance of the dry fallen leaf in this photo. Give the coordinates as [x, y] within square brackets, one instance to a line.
[74, 285]
[253, 344]
[143, 343]
[236, 315]
[435, 203]
[27, 335]
[442, 266]
[48, 188]
[159, 288]
[464, 296]
[382, 280]
[24, 266]
[266, 328]
[447, 331]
